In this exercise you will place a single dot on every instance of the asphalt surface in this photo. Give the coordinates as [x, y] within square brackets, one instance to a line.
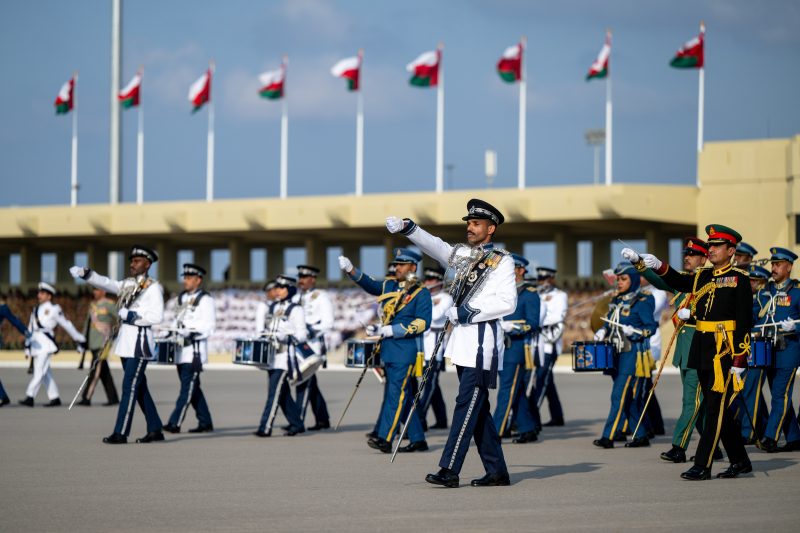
[57, 475]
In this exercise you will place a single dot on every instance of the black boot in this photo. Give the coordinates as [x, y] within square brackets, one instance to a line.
[444, 477]
[380, 444]
[262, 434]
[53, 403]
[419, 446]
[603, 442]
[554, 423]
[675, 455]
[85, 402]
[116, 438]
[171, 428]
[153, 436]
[790, 446]
[492, 480]
[745, 467]
[768, 445]
[202, 429]
[320, 425]
[697, 473]
[27, 401]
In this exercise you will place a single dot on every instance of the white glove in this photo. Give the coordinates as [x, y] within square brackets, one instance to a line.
[373, 329]
[387, 331]
[738, 371]
[394, 224]
[77, 272]
[629, 255]
[684, 313]
[650, 261]
[452, 315]
[600, 334]
[508, 327]
[627, 330]
[787, 325]
[345, 264]
[123, 313]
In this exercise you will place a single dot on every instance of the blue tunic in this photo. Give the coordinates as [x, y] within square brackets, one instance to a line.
[787, 306]
[526, 319]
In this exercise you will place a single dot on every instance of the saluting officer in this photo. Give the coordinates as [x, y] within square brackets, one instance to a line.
[486, 293]
[318, 311]
[140, 303]
[432, 394]
[517, 358]
[6, 314]
[195, 321]
[779, 303]
[722, 306]
[405, 316]
[42, 344]
[281, 322]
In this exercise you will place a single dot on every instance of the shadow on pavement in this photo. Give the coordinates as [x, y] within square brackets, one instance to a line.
[548, 471]
[772, 464]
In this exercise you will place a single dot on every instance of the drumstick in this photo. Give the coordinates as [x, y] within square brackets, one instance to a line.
[637, 331]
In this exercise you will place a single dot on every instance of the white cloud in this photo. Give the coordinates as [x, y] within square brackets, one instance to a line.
[317, 16]
[169, 72]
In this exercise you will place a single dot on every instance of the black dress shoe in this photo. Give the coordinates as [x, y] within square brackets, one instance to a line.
[84, 401]
[554, 423]
[620, 437]
[115, 438]
[5, 401]
[378, 443]
[262, 434]
[641, 442]
[492, 480]
[53, 403]
[697, 473]
[27, 401]
[172, 428]
[603, 442]
[419, 446]
[202, 429]
[768, 445]
[292, 431]
[528, 436]
[735, 469]
[110, 404]
[790, 446]
[320, 425]
[444, 477]
[153, 436]
[439, 426]
[675, 455]
[371, 435]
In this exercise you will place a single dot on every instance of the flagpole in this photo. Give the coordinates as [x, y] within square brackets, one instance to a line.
[140, 159]
[210, 144]
[701, 100]
[284, 186]
[523, 89]
[440, 122]
[609, 132]
[74, 165]
[359, 143]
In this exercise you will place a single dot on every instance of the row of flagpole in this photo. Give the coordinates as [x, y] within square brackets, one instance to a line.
[426, 71]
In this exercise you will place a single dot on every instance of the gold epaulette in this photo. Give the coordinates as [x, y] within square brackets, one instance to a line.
[531, 289]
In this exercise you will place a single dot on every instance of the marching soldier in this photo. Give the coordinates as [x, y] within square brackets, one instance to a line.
[140, 304]
[406, 314]
[432, 395]
[779, 304]
[281, 322]
[99, 323]
[318, 311]
[486, 292]
[195, 321]
[653, 417]
[6, 314]
[518, 327]
[553, 311]
[744, 256]
[695, 252]
[630, 324]
[42, 344]
[751, 400]
[721, 303]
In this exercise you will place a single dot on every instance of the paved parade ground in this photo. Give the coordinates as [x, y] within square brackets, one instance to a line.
[58, 475]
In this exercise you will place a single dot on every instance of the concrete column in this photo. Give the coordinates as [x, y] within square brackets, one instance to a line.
[566, 254]
[5, 268]
[657, 243]
[352, 251]
[30, 265]
[275, 261]
[601, 256]
[515, 246]
[317, 255]
[202, 257]
[64, 260]
[167, 262]
[97, 260]
[239, 261]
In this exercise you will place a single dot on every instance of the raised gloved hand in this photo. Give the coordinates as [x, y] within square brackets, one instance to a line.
[684, 313]
[738, 371]
[628, 330]
[345, 264]
[650, 261]
[452, 315]
[600, 334]
[788, 325]
[507, 326]
[630, 255]
[387, 331]
[78, 272]
[128, 316]
[394, 224]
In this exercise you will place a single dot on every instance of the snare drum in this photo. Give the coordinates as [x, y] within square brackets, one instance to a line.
[360, 351]
[165, 352]
[593, 356]
[255, 352]
[762, 354]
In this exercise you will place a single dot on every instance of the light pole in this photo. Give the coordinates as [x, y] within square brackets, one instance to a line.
[596, 138]
[490, 160]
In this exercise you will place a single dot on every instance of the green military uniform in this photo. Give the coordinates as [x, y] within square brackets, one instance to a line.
[99, 324]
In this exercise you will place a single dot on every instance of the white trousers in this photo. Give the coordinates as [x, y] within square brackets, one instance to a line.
[42, 375]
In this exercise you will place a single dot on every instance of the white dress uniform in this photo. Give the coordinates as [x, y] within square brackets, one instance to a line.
[274, 320]
[552, 312]
[661, 305]
[442, 301]
[44, 319]
[318, 311]
[137, 338]
[195, 316]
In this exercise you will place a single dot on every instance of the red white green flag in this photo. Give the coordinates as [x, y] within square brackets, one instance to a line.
[65, 99]
[272, 83]
[690, 54]
[129, 96]
[425, 69]
[599, 68]
[200, 91]
[510, 65]
[349, 69]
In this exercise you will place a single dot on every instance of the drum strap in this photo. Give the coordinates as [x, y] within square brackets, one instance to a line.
[488, 377]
